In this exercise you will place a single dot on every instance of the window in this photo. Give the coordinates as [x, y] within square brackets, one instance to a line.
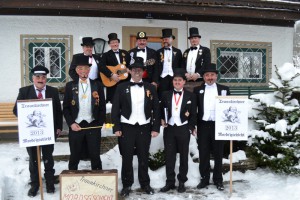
[242, 63]
[53, 52]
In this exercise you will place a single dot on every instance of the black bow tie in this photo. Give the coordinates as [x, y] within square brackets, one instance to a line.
[177, 92]
[143, 50]
[116, 52]
[134, 83]
[193, 48]
[167, 48]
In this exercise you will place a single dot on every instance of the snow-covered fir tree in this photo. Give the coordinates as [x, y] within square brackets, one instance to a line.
[276, 142]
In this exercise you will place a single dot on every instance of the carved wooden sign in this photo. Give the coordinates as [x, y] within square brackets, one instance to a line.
[89, 184]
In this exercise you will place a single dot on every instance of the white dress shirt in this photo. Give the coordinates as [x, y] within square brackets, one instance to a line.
[167, 68]
[142, 54]
[191, 60]
[117, 55]
[43, 91]
[209, 104]
[93, 69]
[175, 118]
[137, 107]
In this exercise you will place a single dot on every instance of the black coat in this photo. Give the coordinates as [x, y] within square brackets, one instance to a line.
[176, 59]
[200, 91]
[71, 102]
[203, 58]
[151, 63]
[109, 59]
[29, 92]
[122, 105]
[188, 107]
[72, 70]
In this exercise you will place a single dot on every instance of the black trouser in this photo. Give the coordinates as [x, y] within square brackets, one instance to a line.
[77, 140]
[139, 137]
[176, 139]
[47, 151]
[165, 84]
[206, 143]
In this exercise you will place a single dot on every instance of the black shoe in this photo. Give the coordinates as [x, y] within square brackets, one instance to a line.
[181, 188]
[32, 192]
[219, 186]
[50, 188]
[202, 184]
[148, 189]
[125, 191]
[167, 187]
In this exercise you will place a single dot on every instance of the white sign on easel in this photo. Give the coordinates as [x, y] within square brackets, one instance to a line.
[35, 122]
[231, 121]
[231, 118]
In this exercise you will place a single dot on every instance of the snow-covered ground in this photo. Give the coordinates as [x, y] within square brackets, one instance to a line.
[259, 184]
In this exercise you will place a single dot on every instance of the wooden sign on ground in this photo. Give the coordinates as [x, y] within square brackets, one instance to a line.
[89, 184]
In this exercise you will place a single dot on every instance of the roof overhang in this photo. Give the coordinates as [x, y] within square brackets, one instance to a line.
[220, 11]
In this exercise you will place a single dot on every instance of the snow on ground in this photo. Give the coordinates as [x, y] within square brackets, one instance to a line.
[259, 184]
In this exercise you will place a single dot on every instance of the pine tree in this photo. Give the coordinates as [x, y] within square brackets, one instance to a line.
[277, 144]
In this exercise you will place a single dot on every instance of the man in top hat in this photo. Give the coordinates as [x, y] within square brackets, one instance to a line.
[136, 118]
[39, 90]
[206, 103]
[114, 57]
[178, 114]
[169, 58]
[150, 74]
[195, 57]
[84, 107]
[95, 61]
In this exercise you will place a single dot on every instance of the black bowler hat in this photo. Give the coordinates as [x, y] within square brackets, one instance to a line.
[179, 72]
[83, 60]
[113, 36]
[212, 67]
[167, 32]
[138, 62]
[194, 32]
[141, 35]
[87, 41]
[39, 69]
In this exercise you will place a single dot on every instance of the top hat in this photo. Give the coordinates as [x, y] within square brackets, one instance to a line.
[141, 35]
[39, 69]
[83, 60]
[194, 32]
[212, 67]
[113, 36]
[167, 32]
[138, 62]
[179, 72]
[87, 41]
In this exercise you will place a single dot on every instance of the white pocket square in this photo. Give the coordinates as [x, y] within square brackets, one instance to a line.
[189, 102]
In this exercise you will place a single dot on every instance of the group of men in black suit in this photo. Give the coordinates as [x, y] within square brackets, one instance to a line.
[136, 111]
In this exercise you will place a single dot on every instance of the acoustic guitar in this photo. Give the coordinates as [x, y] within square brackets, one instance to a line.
[119, 69]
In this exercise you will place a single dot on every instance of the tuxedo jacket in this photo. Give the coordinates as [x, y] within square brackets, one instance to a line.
[151, 62]
[176, 59]
[72, 70]
[71, 102]
[200, 92]
[187, 110]
[109, 59]
[122, 105]
[29, 92]
[203, 58]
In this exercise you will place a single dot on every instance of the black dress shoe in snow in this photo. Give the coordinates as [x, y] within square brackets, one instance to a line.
[32, 192]
[148, 189]
[167, 187]
[219, 186]
[125, 191]
[181, 188]
[202, 184]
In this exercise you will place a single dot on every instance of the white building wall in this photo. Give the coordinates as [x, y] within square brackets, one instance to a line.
[13, 26]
